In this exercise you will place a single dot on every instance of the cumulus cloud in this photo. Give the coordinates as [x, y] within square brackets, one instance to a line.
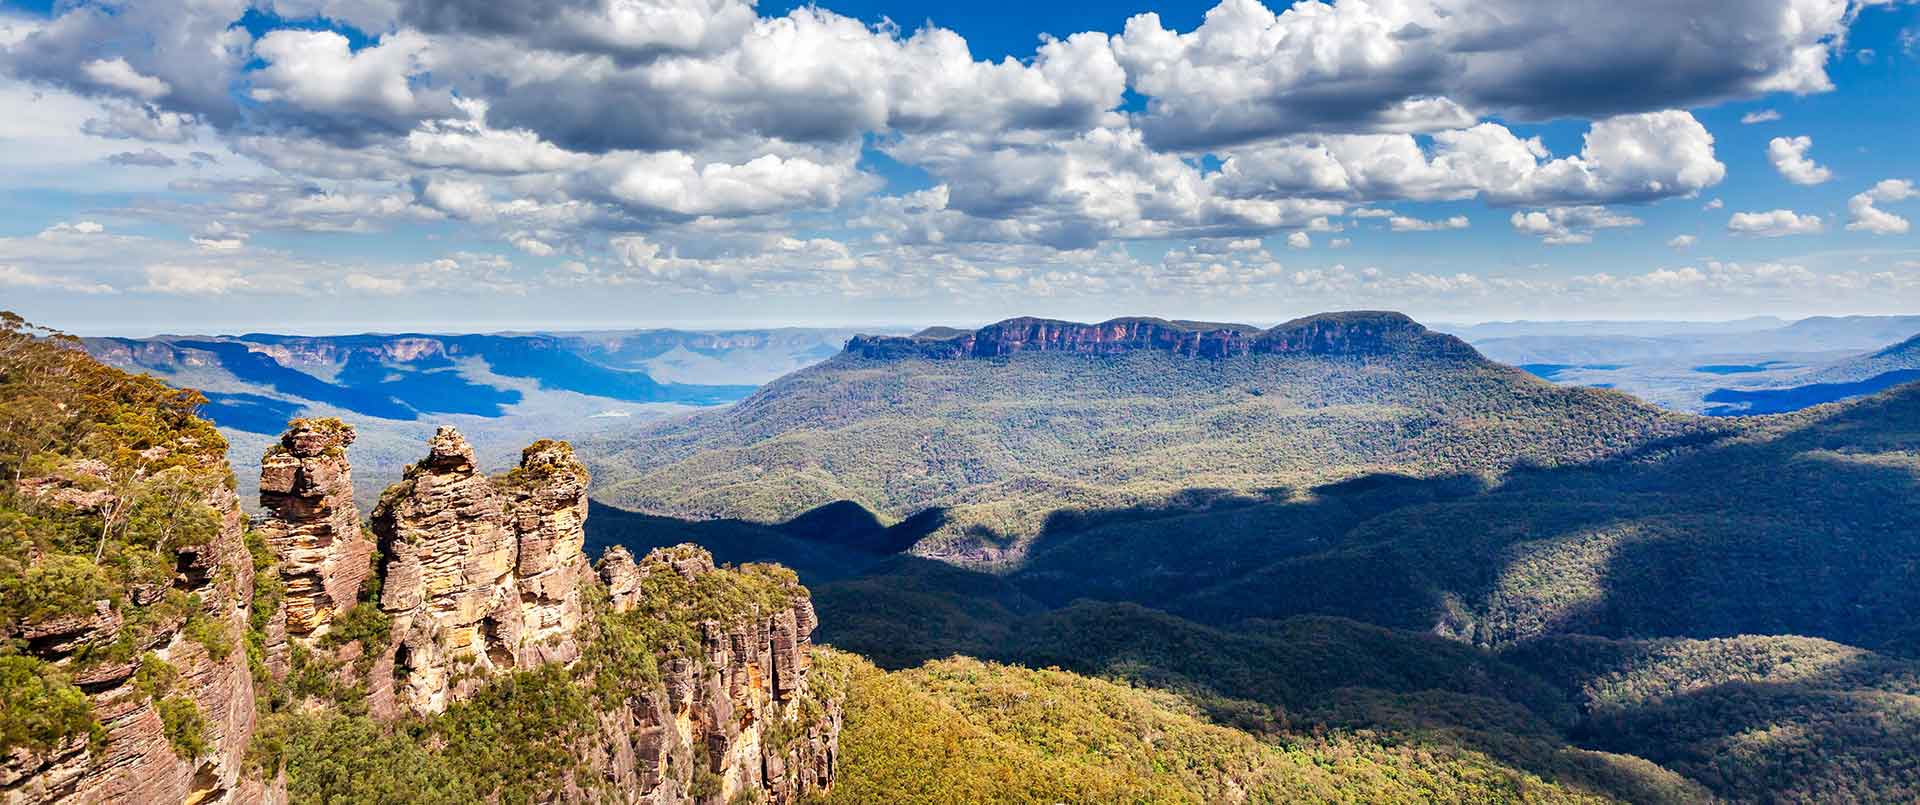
[1759, 116]
[1789, 157]
[1072, 193]
[1247, 73]
[1635, 157]
[684, 142]
[1682, 241]
[329, 86]
[12, 276]
[1774, 224]
[194, 280]
[118, 74]
[1559, 226]
[811, 76]
[1864, 216]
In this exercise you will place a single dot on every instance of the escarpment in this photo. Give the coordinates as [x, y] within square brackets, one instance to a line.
[1355, 333]
[146, 681]
[485, 576]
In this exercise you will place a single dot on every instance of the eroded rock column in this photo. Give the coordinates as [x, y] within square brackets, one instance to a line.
[312, 524]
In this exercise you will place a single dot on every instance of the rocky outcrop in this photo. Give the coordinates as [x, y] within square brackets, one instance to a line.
[311, 523]
[740, 715]
[481, 576]
[621, 576]
[1360, 333]
[449, 577]
[137, 762]
[547, 502]
[487, 575]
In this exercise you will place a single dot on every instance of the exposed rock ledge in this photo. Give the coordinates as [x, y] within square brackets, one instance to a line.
[1354, 333]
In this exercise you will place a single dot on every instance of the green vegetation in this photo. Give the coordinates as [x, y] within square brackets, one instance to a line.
[1003, 445]
[518, 738]
[964, 731]
[40, 707]
[107, 484]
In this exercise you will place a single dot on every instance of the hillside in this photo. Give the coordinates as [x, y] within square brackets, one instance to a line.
[1004, 428]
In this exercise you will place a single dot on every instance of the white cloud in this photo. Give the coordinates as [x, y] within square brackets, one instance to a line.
[1760, 116]
[73, 228]
[118, 74]
[1774, 224]
[318, 72]
[1299, 240]
[1682, 241]
[1864, 216]
[678, 183]
[1559, 226]
[1420, 65]
[1713, 205]
[1624, 158]
[184, 280]
[1789, 157]
[1402, 223]
[12, 276]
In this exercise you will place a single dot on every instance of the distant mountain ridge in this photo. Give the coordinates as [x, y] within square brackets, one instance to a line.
[1000, 428]
[1349, 333]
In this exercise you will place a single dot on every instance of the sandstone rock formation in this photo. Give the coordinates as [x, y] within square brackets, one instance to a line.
[1358, 333]
[481, 576]
[740, 715]
[449, 583]
[547, 501]
[311, 523]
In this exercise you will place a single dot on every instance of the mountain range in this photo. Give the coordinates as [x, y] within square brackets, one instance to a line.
[1344, 558]
[1346, 520]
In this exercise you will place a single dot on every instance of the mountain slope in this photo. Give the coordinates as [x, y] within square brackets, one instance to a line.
[1002, 428]
[1805, 524]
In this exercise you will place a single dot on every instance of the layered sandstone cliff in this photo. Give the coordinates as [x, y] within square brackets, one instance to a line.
[483, 576]
[480, 577]
[137, 760]
[738, 716]
[1358, 333]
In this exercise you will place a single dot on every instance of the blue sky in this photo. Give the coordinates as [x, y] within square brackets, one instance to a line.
[335, 165]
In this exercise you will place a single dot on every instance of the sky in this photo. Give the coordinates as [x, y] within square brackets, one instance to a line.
[322, 166]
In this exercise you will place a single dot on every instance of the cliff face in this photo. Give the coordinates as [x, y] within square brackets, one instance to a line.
[312, 525]
[739, 715]
[137, 762]
[1362, 333]
[484, 576]
[450, 584]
